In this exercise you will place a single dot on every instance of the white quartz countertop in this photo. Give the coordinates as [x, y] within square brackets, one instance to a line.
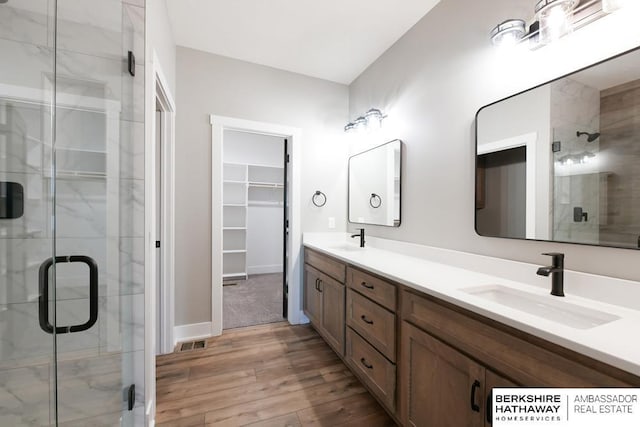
[615, 343]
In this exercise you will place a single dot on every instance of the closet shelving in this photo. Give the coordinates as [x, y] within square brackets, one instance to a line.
[234, 221]
[245, 185]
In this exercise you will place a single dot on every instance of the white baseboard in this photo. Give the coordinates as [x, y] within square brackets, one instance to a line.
[192, 331]
[300, 319]
[151, 420]
[264, 269]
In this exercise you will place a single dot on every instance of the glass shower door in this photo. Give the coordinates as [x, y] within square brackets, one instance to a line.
[27, 357]
[71, 163]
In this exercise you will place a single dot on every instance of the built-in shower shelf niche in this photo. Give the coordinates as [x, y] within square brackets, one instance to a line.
[81, 163]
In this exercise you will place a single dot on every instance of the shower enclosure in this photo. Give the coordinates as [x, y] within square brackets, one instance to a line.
[71, 212]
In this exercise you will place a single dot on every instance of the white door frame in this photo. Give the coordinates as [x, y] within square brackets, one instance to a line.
[218, 125]
[533, 168]
[167, 233]
[157, 85]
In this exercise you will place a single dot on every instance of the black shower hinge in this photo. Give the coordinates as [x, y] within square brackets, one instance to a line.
[556, 146]
[132, 63]
[131, 397]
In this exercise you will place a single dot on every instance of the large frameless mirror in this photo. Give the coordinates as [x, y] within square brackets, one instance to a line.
[374, 185]
[561, 162]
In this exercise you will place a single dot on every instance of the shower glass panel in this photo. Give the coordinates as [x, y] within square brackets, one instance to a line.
[579, 188]
[71, 213]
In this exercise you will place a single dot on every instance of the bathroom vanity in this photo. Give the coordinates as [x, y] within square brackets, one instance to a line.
[431, 340]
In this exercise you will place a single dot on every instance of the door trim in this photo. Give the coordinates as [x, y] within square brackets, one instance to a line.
[167, 232]
[218, 125]
[154, 79]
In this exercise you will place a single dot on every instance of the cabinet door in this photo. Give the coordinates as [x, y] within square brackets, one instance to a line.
[440, 386]
[312, 301]
[493, 380]
[333, 322]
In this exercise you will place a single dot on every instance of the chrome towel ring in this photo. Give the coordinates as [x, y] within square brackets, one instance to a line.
[319, 198]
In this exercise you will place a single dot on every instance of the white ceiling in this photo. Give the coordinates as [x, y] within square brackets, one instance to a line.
[330, 39]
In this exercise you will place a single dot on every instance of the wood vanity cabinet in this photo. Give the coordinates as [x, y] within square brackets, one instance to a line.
[371, 333]
[442, 386]
[430, 362]
[324, 297]
[451, 359]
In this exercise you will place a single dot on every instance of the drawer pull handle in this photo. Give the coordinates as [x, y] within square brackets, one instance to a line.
[365, 364]
[365, 320]
[320, 283]
[317, 281]
[474, 407]
[366, 285]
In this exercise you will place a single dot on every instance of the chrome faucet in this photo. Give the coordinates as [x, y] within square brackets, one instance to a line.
[361, 235]
[556, 270]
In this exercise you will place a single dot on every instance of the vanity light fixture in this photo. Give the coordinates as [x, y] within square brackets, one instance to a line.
[574, 159]
[371, 120]
[350, 127]
[374, 118]
[360, 123]
[554, 17]
[508, 33]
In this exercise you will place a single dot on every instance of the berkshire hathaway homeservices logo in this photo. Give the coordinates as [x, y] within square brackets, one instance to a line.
[566, 407]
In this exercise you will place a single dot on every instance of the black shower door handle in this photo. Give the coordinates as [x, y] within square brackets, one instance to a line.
[43, 300]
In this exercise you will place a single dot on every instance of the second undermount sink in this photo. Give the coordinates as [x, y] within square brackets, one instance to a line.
[347, 247]
[547, 307]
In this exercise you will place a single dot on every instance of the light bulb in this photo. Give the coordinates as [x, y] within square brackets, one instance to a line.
[508, 33]
[554, 17]
[374, 119]
[360, 124]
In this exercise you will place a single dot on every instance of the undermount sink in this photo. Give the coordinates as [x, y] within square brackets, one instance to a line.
[547, 307]
[346, 247]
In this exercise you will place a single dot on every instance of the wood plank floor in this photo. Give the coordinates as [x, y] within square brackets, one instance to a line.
[267, 375]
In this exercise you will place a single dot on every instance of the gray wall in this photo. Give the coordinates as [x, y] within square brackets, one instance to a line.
[432, 82]
[211, 84]
[160, 40]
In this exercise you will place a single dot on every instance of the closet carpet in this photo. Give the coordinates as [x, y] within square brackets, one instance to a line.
[255, 301]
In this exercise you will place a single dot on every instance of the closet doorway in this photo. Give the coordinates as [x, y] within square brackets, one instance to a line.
[253, 227]
[255, 230]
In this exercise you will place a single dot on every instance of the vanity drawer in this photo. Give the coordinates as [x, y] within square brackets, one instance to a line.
[374, 322]
[327, 265]
[372, 367]
[379, 290]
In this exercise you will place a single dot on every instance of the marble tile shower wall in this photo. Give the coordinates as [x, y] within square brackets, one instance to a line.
[99, 206]
[575, 107]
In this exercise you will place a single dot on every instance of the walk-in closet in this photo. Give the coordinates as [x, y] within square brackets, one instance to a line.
[253, 209]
